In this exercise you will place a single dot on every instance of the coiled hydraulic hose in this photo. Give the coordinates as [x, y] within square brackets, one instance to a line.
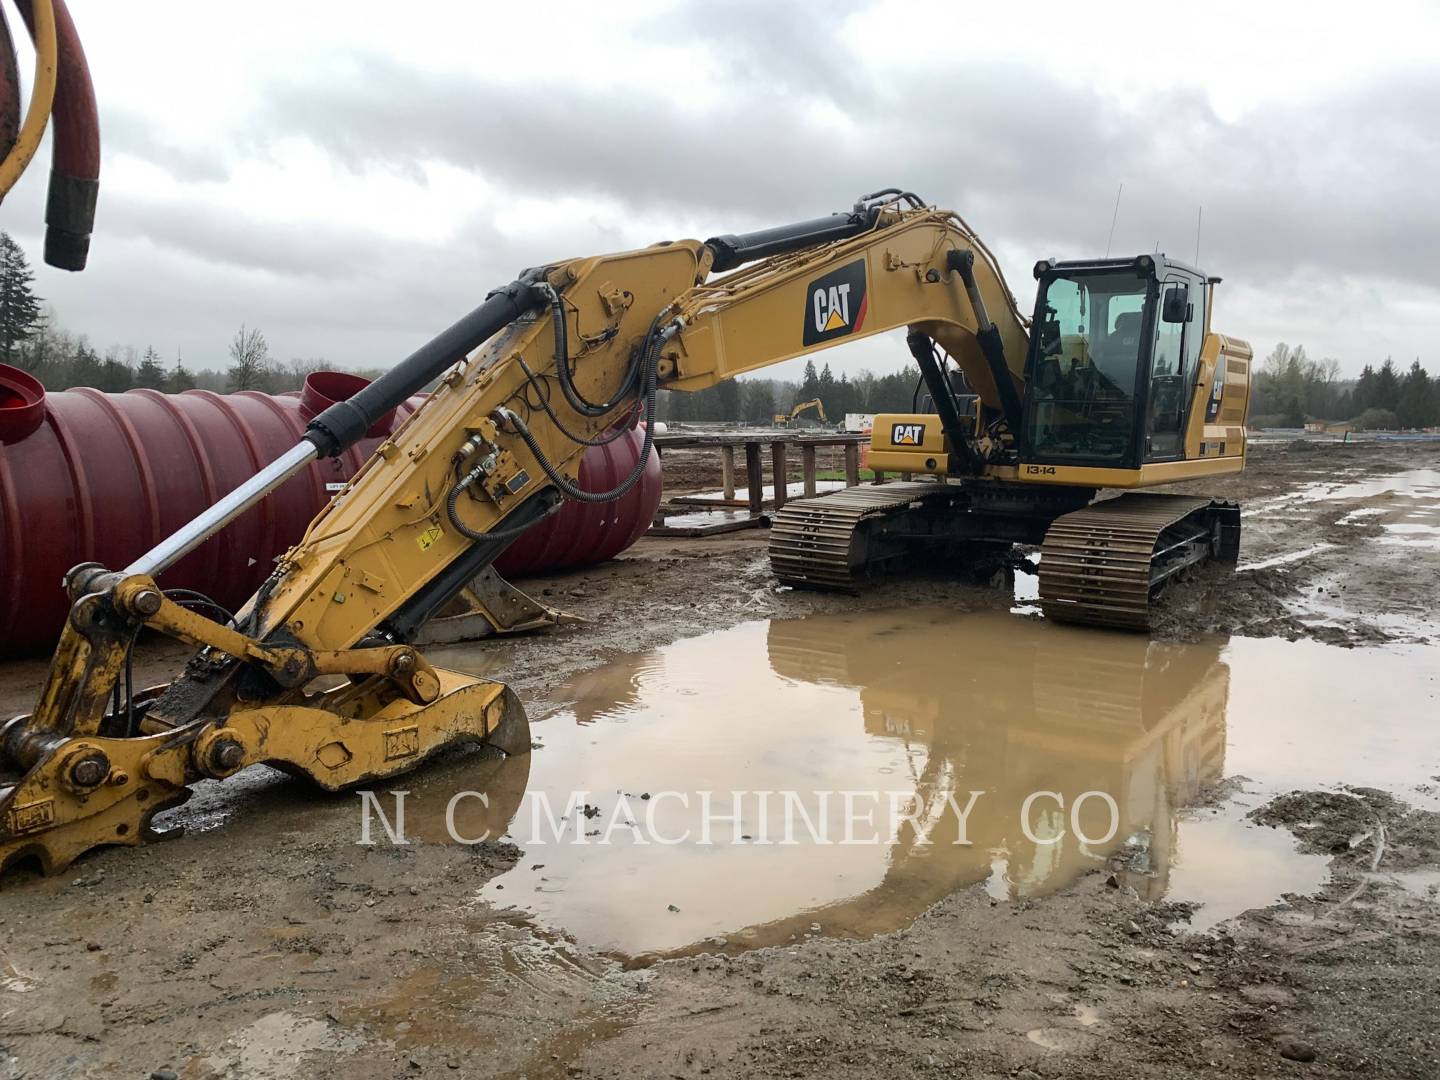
[37, 116]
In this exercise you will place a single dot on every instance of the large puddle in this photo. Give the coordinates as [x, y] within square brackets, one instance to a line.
[814, 776]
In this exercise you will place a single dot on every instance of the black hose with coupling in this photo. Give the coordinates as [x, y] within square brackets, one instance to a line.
[647, 362]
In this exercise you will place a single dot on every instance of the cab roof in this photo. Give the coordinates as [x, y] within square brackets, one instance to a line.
[1161, 264]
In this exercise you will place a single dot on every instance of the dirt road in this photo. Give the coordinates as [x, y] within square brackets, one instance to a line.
[267, 943]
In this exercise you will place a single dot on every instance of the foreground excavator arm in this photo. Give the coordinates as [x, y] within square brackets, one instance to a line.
[315, 674]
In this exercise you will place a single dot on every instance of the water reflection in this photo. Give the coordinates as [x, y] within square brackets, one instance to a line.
[1030, 710]
[925, 703]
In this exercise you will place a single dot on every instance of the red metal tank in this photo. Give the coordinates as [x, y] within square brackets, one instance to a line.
[87, 476]
[583, 533]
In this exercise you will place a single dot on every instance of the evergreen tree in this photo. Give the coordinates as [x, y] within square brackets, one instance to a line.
[809, 385]
[1415, 408]
[1387, 387]
[20, 313]
[759, 401]
[844, 394]
[682, 406]
[116, 376]
[180, 379]
[151, 373]
[727, 400]
[825, 390]
[1363, 397]
[84, 367]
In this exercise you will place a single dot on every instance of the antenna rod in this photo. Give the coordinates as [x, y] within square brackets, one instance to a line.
[1199, 216]
[1113, 217]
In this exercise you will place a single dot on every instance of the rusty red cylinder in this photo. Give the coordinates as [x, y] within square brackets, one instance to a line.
[92, 477]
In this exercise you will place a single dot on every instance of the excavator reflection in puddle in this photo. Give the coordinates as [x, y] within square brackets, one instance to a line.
[1073, 713]
[1017, 709]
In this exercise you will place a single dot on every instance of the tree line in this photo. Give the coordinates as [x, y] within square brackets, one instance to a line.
[1290, 389]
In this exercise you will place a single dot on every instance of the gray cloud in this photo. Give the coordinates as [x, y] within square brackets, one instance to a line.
[1316, 211]
[141, 136]
[1028, 158]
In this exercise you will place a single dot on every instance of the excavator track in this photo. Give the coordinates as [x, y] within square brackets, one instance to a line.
[1103, 565]
[821, 543]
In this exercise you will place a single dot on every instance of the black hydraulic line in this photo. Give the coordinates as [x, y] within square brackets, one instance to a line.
[543, 396]
[988, 338]
[923, 349]
[346, 422]
[577, 401]
[509, 532]
[192, 597]
[732, 250]
[890, 193]
[649, 359]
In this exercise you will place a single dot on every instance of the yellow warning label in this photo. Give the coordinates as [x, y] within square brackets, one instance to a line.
[429, 536]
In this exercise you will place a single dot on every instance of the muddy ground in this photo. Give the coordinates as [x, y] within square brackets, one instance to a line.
[265, 943]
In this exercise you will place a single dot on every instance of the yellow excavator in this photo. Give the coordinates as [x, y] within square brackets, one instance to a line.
[786, 419]
[1119, 384]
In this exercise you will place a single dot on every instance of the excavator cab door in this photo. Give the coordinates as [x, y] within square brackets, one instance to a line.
[1179, 334]
[1089, 364]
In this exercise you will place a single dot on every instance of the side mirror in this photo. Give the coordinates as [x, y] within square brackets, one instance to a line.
[1177, 307]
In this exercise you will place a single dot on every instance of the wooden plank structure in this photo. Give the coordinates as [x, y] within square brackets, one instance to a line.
[752, 443]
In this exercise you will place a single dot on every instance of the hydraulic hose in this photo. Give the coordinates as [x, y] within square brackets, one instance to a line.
[649, 359]
[9, 88]
[41, 14]
[621, 427]
[494, 534]
[75, 152]
[577, 401]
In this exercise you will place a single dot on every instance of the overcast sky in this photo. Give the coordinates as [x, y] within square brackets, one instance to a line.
[350, 177]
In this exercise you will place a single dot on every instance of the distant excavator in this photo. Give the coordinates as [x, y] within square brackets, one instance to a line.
[1122, 385]
[786, 419]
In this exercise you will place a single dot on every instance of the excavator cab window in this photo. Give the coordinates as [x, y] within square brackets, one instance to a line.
[1087, 367]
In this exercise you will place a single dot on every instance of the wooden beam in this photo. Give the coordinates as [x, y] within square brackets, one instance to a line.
[807, 468]
[754, 478]
[727, 471]
[852, 464]
[779, 469]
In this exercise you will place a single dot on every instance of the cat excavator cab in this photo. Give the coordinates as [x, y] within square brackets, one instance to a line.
[1123, 386]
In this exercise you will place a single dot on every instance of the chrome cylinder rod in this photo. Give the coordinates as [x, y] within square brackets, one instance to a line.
[207, 524]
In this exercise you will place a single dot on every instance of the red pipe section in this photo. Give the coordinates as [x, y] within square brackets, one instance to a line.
[75, 147]
[87, 476]
[9, 88]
